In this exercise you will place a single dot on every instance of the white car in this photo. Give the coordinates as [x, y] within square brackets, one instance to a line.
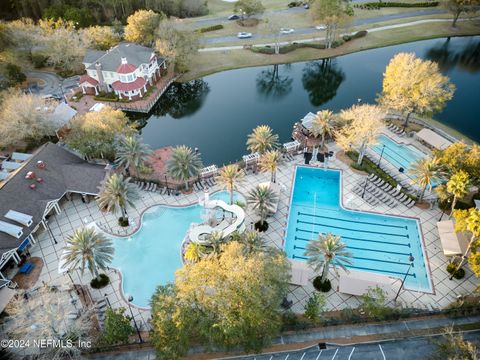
[321, 27]
[244, 35]
[286, 31]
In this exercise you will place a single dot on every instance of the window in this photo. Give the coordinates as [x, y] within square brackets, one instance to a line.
[130, 78]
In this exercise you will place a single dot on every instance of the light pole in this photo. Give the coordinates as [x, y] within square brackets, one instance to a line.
[411, 259]
[166, 185]
[129, 300]
[364, 187]
[381, 156]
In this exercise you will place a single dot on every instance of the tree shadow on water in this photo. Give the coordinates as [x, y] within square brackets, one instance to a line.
[448, 56]
[182, 99]
[272, 85]
[321, 80]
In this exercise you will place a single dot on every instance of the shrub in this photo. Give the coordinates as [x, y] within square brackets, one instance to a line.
[346, 38]
[290, 321]
[381, 4]
[210, 28]
[39, 60]
[458, 274]
[314, 307]
[360, 34]
[14, 74]
[117, 326]
[268, 50]
[323, 286]
[123, 221]
[261, 227]
[100, 282]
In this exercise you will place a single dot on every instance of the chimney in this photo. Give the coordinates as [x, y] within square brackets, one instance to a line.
[101, 82]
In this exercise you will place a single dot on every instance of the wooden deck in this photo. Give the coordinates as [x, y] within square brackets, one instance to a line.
[143, 106]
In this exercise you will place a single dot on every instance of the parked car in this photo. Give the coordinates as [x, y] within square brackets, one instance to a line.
[244, 35]
[321, 27]
[233, 17]
[286, 30]
[306, 6]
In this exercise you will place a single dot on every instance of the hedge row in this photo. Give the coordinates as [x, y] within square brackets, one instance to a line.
[357, 35]
[378, 5]
[269, 50]
[210, 28]
[370, 167]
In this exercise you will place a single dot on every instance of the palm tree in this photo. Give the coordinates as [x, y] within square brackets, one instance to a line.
[262, 139]
[327, 250]
[262, 199]
[458, 187]
[88, 249]
[194, 252]
[228, 177]
[269, 161]
[253, 242]
[424, 172]
[322, 125]
[116, 194]
[215, 240]
[131, 153]
[184, 164]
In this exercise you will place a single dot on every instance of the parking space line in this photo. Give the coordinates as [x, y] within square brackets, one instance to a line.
[383, 354]
[335, 354]
[320, 353]
[303, 356]
[349, 356]
[286, 357]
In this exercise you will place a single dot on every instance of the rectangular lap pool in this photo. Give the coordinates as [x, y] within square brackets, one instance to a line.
[379, 243]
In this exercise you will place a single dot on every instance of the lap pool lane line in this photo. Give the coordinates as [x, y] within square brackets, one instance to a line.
[304, 222]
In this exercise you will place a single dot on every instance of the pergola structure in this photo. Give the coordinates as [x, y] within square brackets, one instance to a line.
[209, 171]
[251, 160]
[291, 146]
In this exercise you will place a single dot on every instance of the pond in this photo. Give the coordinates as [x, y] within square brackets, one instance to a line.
[217, 112]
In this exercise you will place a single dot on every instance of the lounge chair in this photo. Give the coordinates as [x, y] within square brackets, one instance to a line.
[26, 268]
[154, 187]
[372, 177]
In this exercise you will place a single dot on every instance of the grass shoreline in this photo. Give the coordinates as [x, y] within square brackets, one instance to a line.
[208, 63]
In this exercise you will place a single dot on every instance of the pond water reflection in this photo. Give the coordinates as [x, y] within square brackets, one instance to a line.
[217, 112]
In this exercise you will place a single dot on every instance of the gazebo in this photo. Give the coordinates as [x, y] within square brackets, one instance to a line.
[433, 139]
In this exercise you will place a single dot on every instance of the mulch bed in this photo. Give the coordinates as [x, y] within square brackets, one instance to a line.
[347, 161]
[26, 281]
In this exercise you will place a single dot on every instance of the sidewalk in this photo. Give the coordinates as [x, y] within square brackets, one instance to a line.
[332, 335]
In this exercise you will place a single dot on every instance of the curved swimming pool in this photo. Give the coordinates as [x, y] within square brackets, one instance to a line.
[151, 255]
[379, 243]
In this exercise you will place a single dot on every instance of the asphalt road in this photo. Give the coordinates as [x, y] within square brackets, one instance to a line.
[410, 348]
[50, 83]
[311, 30]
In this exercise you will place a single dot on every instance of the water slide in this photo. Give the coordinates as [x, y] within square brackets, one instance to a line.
[225, 228]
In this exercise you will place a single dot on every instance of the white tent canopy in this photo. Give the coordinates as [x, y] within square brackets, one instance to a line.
[433, 139]
[301, 272]
[358, 283]
[307, 120]
[450, 240]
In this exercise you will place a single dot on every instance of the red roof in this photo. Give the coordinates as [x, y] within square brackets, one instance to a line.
[88, 79]
[137, 84]
[126, 68]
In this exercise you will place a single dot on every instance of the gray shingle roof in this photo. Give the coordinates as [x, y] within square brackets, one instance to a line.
[64, 172]
[92, 55]
[111, 59]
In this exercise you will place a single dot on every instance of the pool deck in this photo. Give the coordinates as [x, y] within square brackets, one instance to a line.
[75, 213]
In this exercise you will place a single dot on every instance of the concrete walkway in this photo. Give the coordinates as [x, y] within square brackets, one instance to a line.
[326, 335]
[376, 29]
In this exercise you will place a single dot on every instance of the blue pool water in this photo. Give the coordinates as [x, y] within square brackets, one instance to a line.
[151, 256]
[379, 243]
[399, 155]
